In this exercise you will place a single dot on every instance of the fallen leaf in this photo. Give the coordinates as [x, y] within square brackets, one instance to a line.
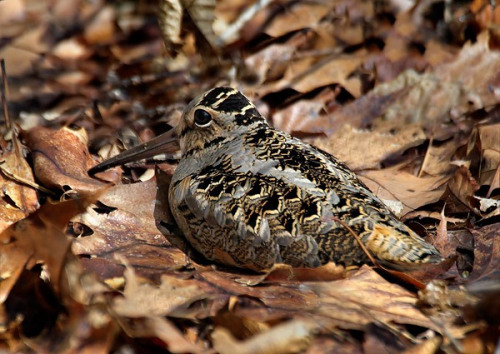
[332, 70]
[298, 16]
[19, 61]
[365, 297]
[71, 49]
[413, 192]
[124, 223]
[17, 199]
[463, 186]
[383, 141]
[101, 29]
[201, 13]
[171, 297]
[163, 329]
[37, 239]
[305, 116]
[61, 159]
[490, 146]
[11, 11]
[171, 20]
[290, 337]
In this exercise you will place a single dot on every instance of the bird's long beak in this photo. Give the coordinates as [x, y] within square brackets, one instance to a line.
[166, 143]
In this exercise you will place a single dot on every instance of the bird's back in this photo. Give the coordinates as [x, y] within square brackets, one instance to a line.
[265, 197]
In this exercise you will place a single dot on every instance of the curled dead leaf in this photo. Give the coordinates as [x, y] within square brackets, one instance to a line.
[463, 186]
[61, 159]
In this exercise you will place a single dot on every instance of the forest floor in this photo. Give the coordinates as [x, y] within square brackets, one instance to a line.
[406, 93]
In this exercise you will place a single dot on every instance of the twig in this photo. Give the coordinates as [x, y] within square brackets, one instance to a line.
[3, 95]
[361, 244]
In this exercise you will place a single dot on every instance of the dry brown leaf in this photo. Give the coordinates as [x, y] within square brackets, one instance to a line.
[147, 305]
[413, 192]
[21, 54]
[124, 224]
[305, 116]
[285, 298]
[61, 159]
[17, 200]
[490, 146]
[202, 14]
[271, 62]
[438, 52]
[171, 297]
[74, 79]
[428, 98]
[385, 140]
[171, 20]
[463, 186]
[442, 240]
[163, 329]
[240, 327]
[328, 272]
[477, 68]
[129, 55]
[486, 253]
[298, 16]
[71, 49]
[37, 239]
[290, 337]
[337, 70]
[330, 343]
[486, 15]
[101, 29]
[366, 297]
[11, 11]
[438, 158]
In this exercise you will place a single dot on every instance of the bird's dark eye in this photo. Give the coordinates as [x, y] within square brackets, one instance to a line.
[202, 118]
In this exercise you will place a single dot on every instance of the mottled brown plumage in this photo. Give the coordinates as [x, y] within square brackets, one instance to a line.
[247, 195]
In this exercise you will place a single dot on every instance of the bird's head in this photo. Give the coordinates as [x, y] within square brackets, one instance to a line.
[214, 117]
[208, 121]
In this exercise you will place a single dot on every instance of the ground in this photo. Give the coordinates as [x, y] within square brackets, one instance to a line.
[406, 93]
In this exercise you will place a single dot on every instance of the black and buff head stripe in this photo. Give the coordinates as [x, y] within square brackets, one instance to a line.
[215, 96]
[229, 100]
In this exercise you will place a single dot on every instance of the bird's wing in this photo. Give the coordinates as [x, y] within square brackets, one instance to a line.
[255, 208]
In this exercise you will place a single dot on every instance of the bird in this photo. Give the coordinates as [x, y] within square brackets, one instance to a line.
[249, 196]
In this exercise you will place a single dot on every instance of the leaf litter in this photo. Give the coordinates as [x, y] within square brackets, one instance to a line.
[408, 96]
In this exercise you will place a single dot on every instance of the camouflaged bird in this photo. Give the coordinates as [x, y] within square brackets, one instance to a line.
[247, 195]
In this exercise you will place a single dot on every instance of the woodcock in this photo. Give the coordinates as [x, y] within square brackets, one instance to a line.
[247, 195]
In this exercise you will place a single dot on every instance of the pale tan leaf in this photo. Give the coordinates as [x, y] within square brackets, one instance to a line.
[290, 337]
[412, 191]
[101, 29]
[298, 16]
[202, 12]
[171, 20]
